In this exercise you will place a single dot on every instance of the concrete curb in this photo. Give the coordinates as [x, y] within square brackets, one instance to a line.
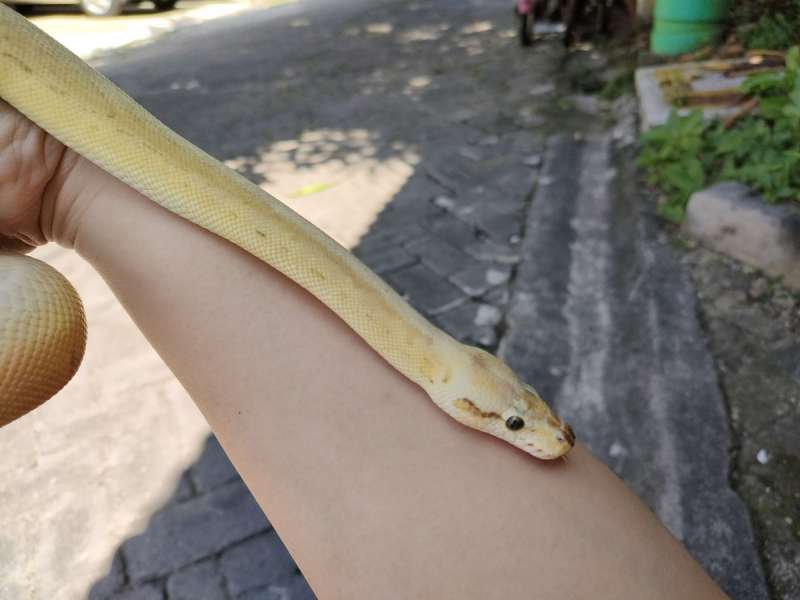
[655, 110]
[731, 218]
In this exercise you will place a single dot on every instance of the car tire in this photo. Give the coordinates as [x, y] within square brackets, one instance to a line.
[164, 5]
[23, 9]
[102, 8]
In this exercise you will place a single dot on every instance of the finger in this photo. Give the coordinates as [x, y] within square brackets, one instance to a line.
[5, 107]
[8, 244]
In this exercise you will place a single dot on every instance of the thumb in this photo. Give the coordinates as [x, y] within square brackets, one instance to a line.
[8, 244]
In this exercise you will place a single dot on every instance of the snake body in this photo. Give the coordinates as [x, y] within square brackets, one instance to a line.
[85, 111]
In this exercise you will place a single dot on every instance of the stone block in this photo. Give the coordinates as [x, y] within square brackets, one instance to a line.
[185, 488]
[184, 533]
[148, 591]
[454, 172]
[200, 580]
[111, 583]
[523, 142]
[534, 161]
[425, 289]
[493, 197]
[498, 297]
[501, 226]
[297, 589]
[300, 590]
[439, 256]
[729, 218]
[263, 593]
[516, 180]
[479, 278]
[213, 468]
[404, 213]
[388, 259]
[472, 323]
[452, 230]
[493, 212]
[387, 237]
[258, 562]
[491, 250]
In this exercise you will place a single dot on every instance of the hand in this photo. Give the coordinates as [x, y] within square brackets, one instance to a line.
[30, 164]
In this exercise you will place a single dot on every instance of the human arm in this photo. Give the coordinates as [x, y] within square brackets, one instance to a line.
[375, 491]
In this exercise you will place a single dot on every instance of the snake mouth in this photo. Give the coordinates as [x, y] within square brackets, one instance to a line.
[569, 434]
[555, 442]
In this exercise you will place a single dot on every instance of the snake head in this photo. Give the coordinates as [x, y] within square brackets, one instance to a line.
[527, 423]
[531, 426]
[497, 402]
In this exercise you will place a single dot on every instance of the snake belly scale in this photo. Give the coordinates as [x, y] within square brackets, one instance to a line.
[85, 111]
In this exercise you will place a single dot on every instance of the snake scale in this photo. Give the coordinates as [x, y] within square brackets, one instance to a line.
[42, 327]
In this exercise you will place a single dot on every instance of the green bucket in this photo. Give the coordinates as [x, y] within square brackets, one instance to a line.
[685, 25]
[677, 38]
[692, 11]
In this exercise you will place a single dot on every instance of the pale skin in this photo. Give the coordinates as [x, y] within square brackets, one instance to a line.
[375, 491]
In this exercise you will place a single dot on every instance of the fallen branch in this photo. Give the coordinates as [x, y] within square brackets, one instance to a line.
[744, 110]
[724, 97]
[780, 54]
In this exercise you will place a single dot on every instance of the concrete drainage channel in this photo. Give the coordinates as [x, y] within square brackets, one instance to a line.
[744, 259]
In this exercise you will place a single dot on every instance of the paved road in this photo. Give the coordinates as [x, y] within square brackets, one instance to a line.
[418, 133]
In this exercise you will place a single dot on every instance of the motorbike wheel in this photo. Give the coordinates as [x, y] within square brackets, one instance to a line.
[526, 22]
[569, 15]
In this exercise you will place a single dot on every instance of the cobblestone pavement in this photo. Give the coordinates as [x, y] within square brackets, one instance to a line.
[514, 223]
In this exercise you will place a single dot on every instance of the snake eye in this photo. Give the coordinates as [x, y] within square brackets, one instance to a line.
[514, 423]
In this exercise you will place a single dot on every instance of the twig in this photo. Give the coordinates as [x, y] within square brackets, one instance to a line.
[765, 53]
[744, 109]
[724, 97]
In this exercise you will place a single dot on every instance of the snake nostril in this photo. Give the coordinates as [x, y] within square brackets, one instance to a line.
[569, 434]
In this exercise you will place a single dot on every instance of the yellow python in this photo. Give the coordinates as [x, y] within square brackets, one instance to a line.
[42, 329]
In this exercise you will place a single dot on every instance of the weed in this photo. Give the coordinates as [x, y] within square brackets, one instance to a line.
[687, 153]
[770, 32]
[618, 86]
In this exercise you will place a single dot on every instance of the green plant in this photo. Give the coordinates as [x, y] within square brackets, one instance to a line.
[618, 86]
[767, 24]
[747, 11]
[673, 154]
[770, 32]
[761, 150]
